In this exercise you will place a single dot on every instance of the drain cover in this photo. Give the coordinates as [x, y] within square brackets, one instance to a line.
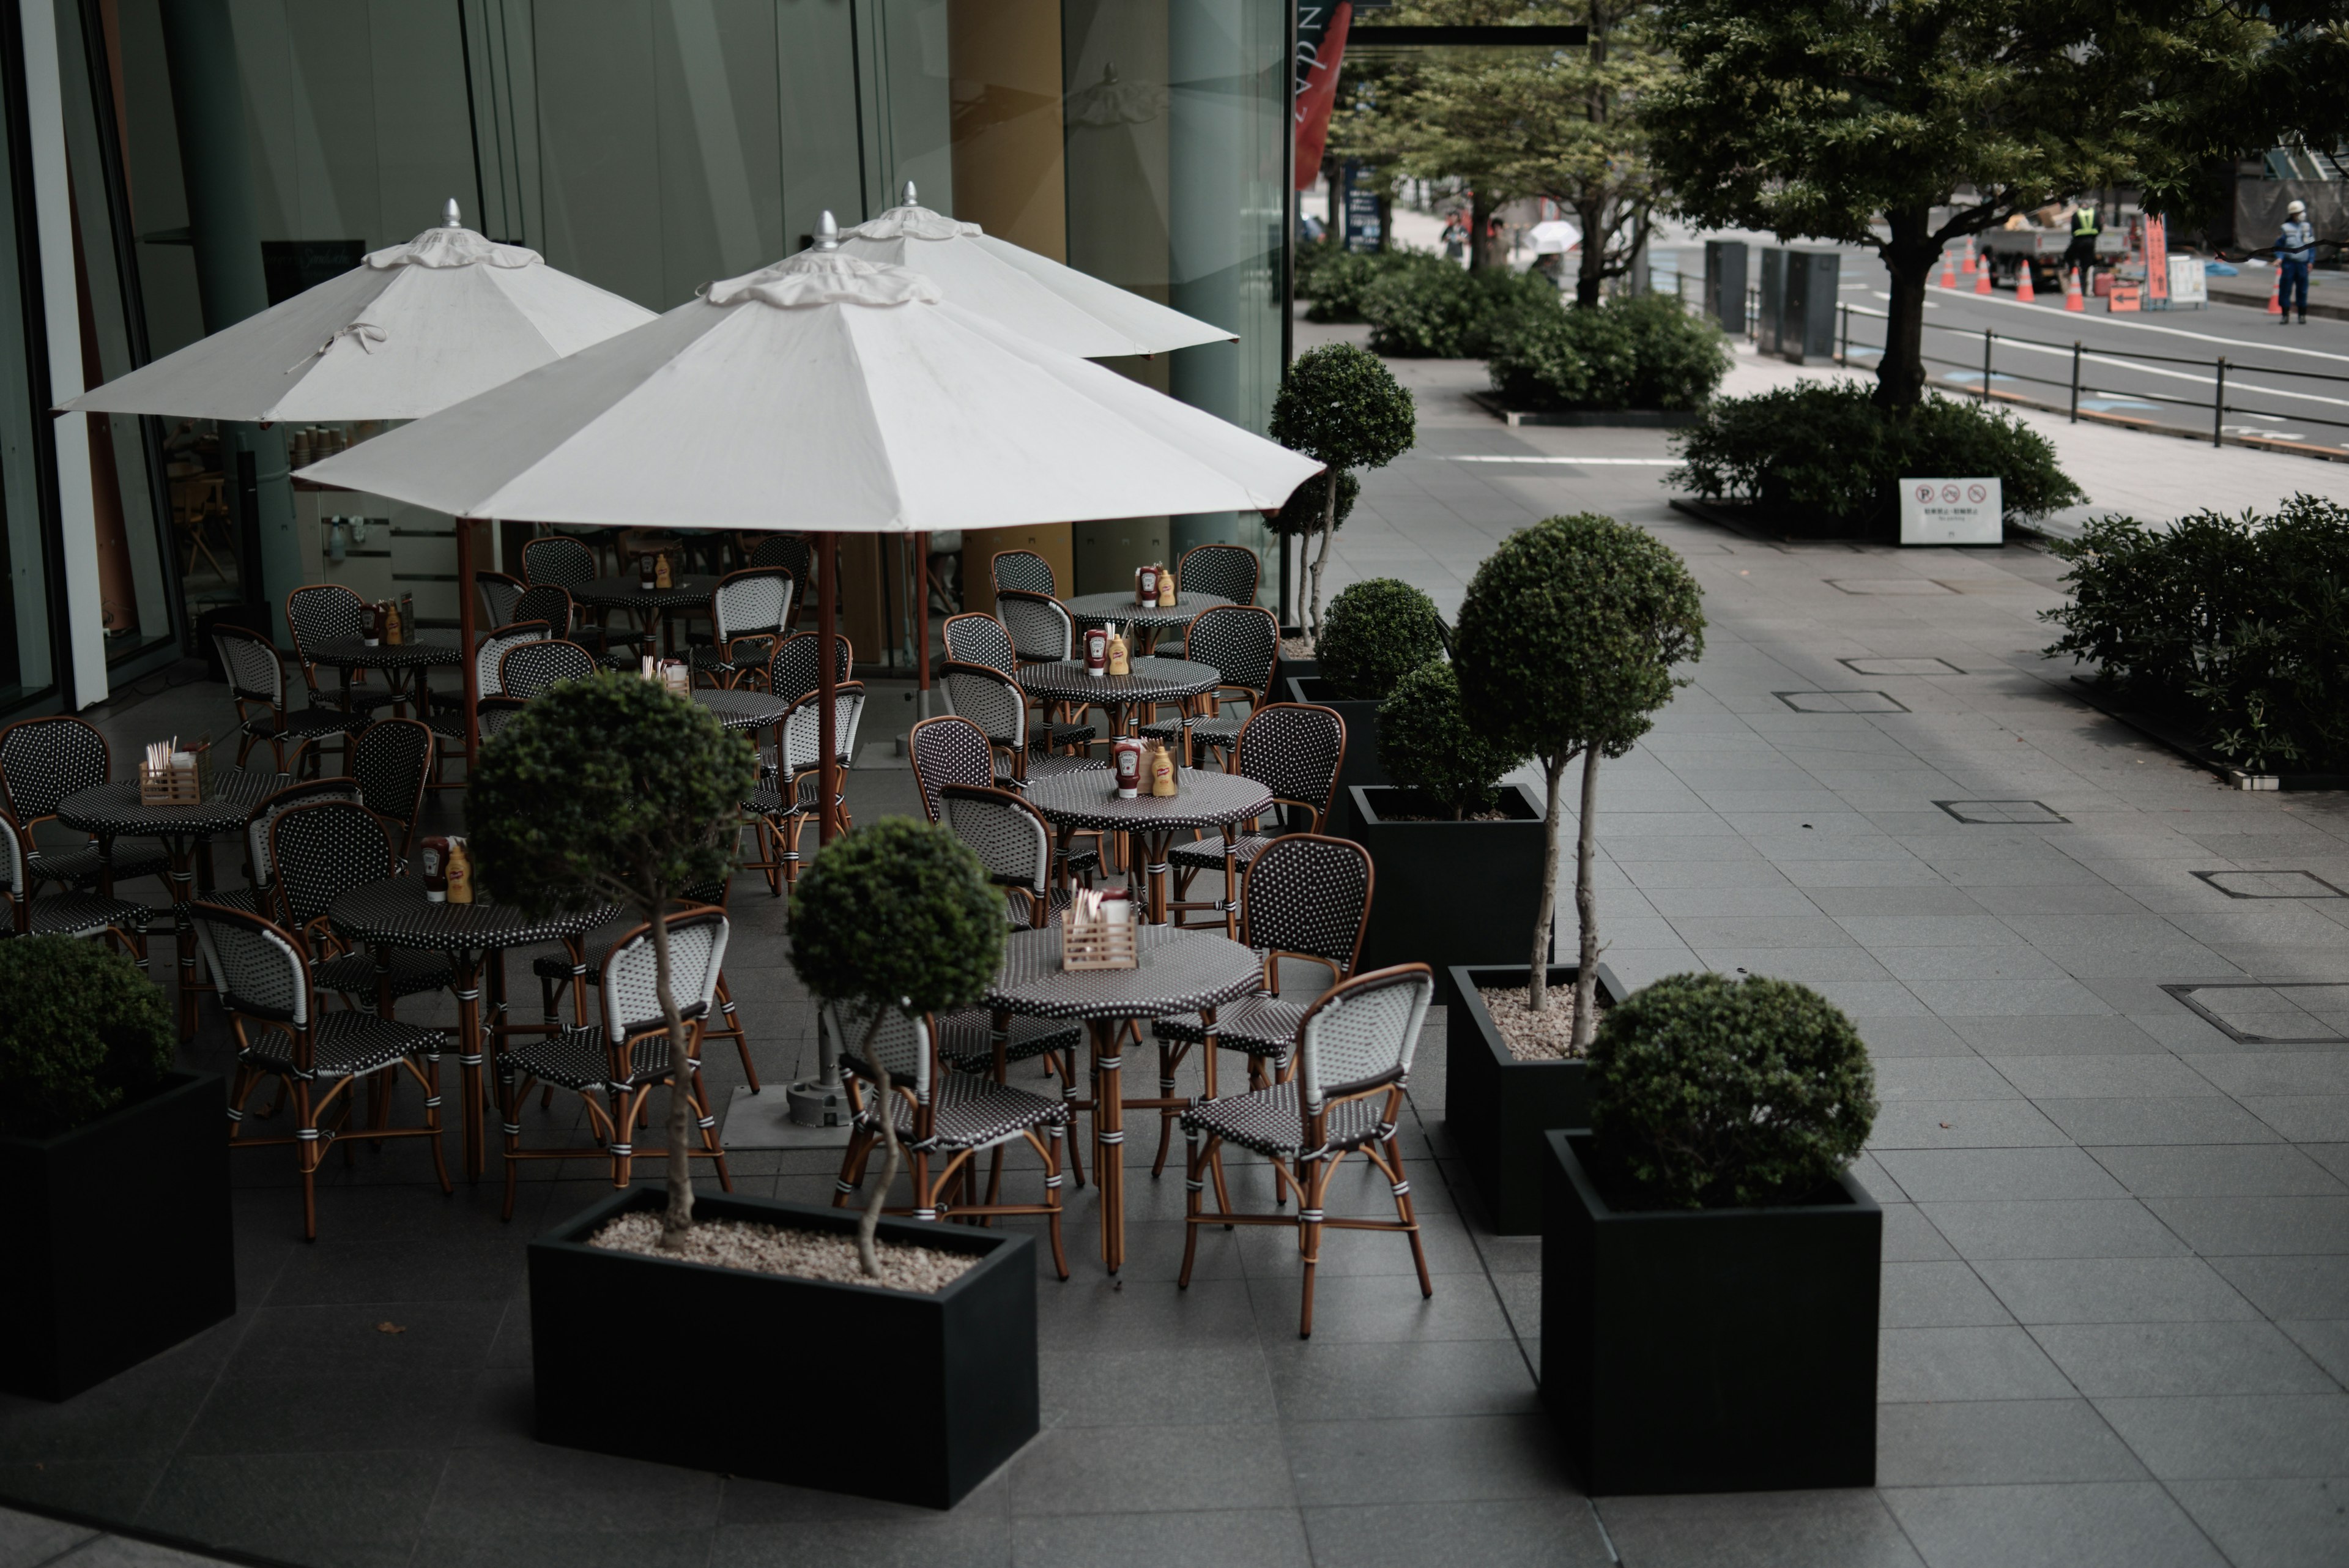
[2006, 812]
[1899, 667]
[2271, 885]
[1839, 702]
[2284, 1013]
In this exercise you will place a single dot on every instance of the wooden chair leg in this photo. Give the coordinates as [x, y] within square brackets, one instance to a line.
[1192, 1220]
[1309, 1216]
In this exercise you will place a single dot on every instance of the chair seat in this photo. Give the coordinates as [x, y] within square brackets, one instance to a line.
[1016, 906]
[1258, 1025]
[1065, 735]
[363, 698]
[1055, 762]
[82, 866]
[1207, 854]
[85, 914]
[767, 799]
[302, 724]
[973, 1112]
[578, 1059]
[246, 898]
[967, 1041]
[353, 974]
[1269, 1121]
[345, 1045]
[1219, 731]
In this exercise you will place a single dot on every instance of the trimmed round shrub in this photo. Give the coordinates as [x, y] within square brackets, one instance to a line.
[1426, 742]
[1337, 279]
[1444, 311]
[1709, 1093]
[82, 1033]
[1831, 454]
[1300, 515]
[1628, 353]
[898, 914]
[1377, 632]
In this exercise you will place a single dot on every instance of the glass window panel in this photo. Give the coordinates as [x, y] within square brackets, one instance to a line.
[27, 669]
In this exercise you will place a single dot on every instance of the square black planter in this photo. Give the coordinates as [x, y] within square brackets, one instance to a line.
[1447, 892]
[1497, 1107]
[1688, 1350]
[1361, 764]
[120, 1242]
[887, 1394]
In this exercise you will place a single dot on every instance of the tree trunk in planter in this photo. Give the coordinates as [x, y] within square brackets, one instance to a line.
[120, 1240]
[1496, 1109]
[854, 1388]
[1447, 892]
[1694, 1350]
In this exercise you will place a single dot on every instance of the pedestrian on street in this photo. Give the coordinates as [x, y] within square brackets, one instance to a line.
[2081, 253]
[2295, 248]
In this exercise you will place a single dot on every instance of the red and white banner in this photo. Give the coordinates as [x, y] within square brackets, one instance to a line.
[1320, 48]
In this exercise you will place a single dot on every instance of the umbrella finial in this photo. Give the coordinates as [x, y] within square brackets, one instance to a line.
[827, 232]
[906, 198]
[449, 220]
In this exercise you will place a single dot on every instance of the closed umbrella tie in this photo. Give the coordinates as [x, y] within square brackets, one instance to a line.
[361, 332]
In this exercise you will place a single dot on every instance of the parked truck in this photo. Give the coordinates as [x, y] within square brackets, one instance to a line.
[2008, 250]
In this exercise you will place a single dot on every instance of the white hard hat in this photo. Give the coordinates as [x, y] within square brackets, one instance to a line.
[2296, 208]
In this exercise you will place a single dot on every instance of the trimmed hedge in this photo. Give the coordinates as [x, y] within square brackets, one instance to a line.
[1375, 633]
[2235, 628]
[1709, 1093]
[1628, 353]
[1830, 452]
[83, 1032]
[1426, 742]
[1442, 311]
[1335, 279]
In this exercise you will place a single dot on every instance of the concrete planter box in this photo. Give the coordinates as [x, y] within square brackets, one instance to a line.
[1695, 1350]
[1496, 1109]
[1447, 892]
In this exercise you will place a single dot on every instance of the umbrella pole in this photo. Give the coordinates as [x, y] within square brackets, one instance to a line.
[465, 629]
[827, 778]
[921, 624]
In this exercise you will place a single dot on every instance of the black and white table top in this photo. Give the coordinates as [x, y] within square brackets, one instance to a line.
[1120, 609]
[1180, 972]
[738, 710]
[1152, 680]
[395, 913]
[1088, 798]
[351, 653]
[114, 808]
[691, 591]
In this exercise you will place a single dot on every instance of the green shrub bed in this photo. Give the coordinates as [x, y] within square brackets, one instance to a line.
[1628, 353]
[1437, 309]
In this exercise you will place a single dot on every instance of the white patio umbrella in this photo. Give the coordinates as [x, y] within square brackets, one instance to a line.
[1032, 295]
[1554, 236]
[409, 331]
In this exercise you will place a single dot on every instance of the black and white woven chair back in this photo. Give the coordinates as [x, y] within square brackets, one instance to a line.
[1040, 626]
[392, 761]
[804, 733]
[1006, 834]
[250, 660]
[697, 952]
[1240, 641]
[264, 816]
[1294, 750]
[752, 601]
[500, 594]
[260, 968]
[1362, 1032]
[1306, 894]
[988, 699]
[565, 562]
[323, 850]
[549, 602]
[789, 551]
[1022, 572]
[43, 760]
[323, 612]
[976, 638]
[493, 648]
[792, 672]
[949, 750]
[1226, 571]
[531, 670]
[901, 1045]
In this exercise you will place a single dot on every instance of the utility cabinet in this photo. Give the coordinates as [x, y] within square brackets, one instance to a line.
[1725, 285]
[1798, 304]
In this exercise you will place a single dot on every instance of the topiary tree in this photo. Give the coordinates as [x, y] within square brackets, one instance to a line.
[1343, 409]
[1378, 632]
[1427, 744]
[899, 914]
[1709, 1092]
[611, 788]
[83, 1032]
[1565, 647]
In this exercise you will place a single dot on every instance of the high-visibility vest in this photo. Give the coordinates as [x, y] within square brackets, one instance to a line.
[2083, 223]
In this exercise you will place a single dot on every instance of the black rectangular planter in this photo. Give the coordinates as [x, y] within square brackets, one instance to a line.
[1497, 1107]
[1362, 764]
[1688, 1350]
[887, 1394]
[1447, 892]
[120, 1240]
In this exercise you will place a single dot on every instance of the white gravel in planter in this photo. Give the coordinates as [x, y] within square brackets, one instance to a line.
[777, 1249]
[1543, 1036]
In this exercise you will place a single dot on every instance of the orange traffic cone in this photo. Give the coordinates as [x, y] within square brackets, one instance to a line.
[1981, 278]
[2073, 299]
[2023, 289]
[1949, 270]
[1966, 266]
[2275, 282]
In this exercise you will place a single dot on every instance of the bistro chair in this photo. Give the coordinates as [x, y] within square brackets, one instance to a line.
[975, 639]
[615, 1064]
[549, 602]
[256, 682]
[391, 762]
[531, 670]
[319, 850]
[751, 608]
[792, 672]
[943, 1119]
[553, 969]
[1021, 571]
[792, 553]
[1014, 843]
[1353, 1060]
[1040, 628]
[67, 914]
[1226, 571]
[994, 702]
[266, 987]
[1293, 749]
[951, 750]
[1305, 897]
[448, 719]
[500, 594]
[259, 894]
[560, 559]
[43, 763]
[326, 612]
[789, 786]
[1241, 642]
[494, 713]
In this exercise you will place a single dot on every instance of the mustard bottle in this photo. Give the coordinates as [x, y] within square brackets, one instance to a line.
[1119, 663]
[1162, 771]
[461, 872]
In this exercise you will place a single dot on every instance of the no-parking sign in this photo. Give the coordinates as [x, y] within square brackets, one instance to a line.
[1951, 512]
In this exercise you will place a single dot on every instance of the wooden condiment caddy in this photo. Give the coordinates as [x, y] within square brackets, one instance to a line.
[1097, 931]
[169, 776]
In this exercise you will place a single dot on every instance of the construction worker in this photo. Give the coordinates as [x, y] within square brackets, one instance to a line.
[2081, 251]
[2295, 248]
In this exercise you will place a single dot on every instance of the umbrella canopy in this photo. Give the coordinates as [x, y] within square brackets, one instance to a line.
[1555, 236]
[1036, 297]
[409, 331]
[826, 394]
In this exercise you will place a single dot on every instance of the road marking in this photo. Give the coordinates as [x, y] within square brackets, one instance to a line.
[2269, 346]
[1595, 461]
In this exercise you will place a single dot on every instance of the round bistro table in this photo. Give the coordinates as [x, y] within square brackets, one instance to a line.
[1153, 682]
[113, 811]
[395, 913]
[1151, 620]
[1086, 800]
[691, 591]
[1180, 972]
[408, 659]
